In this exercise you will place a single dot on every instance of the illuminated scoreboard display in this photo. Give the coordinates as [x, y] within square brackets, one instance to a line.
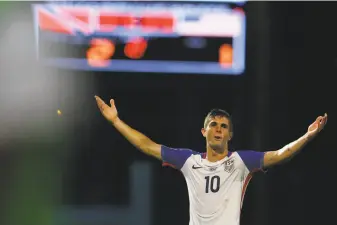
[201, 37]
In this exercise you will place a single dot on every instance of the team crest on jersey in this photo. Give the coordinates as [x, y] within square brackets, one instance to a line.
[229, 165]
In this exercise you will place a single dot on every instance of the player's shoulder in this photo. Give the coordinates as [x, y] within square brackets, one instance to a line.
[176, 157]
[251, 159]
[198, 156]
[195, 161]
[234, 157]
[180, 151]
[194, 157]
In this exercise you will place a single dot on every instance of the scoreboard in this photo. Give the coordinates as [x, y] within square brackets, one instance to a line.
[200, 37]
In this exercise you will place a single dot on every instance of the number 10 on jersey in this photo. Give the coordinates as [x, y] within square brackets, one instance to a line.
[212, 184]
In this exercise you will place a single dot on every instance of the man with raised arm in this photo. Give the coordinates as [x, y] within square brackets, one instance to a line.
[217, 179]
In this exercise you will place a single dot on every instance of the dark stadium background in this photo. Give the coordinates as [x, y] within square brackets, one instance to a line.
[51, 165]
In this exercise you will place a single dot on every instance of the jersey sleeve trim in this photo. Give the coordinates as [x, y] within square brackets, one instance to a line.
[253, 160]
[175, 157]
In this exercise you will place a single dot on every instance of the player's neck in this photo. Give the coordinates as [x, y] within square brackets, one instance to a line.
[214, 156]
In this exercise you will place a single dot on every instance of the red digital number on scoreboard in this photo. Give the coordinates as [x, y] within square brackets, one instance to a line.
[226, 55]
[135, 49]
[101, 50]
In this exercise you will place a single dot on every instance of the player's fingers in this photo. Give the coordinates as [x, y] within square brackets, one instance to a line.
[325, 119]
[98, 98]
[100, 102]
[112, 102]
[318, 119]
[316, 122]
[322, 122]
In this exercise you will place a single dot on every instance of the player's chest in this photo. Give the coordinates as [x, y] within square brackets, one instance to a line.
[225, 168]
[227, 171]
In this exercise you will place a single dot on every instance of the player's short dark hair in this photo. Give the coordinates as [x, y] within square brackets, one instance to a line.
[218, 112]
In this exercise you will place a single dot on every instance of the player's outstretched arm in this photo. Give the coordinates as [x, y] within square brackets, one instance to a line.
[136, 138]
[272, 158]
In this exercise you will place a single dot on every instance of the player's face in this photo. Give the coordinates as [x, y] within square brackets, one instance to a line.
[217, 133]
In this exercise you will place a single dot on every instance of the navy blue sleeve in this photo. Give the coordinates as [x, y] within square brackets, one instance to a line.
[252, 159]
[175, 157]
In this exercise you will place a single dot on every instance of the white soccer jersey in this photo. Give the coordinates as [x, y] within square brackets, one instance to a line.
[215, 189]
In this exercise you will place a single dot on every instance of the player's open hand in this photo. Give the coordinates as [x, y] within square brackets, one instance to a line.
[109, 112]
[317, 126]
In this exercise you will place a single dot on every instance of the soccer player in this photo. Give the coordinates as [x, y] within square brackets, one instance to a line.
[217, 179]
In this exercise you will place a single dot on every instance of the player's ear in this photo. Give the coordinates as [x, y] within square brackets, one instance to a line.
[203, 131]
[230, 135]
